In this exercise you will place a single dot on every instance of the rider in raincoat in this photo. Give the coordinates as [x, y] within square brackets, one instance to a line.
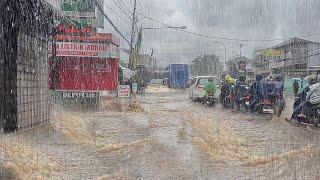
[279, 86]
[210, 87]
[311, 95]
[240, 90]
[257, 90]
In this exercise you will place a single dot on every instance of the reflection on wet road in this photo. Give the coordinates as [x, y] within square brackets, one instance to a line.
[162, 136]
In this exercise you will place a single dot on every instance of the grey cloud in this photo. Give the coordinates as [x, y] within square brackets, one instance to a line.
[241, 19]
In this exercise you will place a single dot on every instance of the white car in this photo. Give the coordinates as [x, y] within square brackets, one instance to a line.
[196, 92]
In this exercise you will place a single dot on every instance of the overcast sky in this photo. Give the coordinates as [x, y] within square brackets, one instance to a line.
[234, 19]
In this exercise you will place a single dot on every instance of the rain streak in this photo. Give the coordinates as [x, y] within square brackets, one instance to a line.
[170, 89]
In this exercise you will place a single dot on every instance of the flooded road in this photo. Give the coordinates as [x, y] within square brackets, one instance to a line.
[162, 136]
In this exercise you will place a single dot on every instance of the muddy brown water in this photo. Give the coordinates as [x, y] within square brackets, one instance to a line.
[172, 138]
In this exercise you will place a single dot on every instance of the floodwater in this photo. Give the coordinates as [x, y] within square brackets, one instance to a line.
[161, 136]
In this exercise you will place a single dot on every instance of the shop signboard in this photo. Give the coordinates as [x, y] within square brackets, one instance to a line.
[86, 74]
[97, 38]
[124, 91]
[77, 95]
[76, 26]
[98, 50]
[274, 55]
[78, 8]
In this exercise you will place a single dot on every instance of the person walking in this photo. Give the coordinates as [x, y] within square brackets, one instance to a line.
[143, 89]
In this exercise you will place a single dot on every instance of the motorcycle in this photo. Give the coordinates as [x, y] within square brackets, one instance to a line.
[209, 100]
[246, 102]
[312, 117]
[229, 101]
[267, 107]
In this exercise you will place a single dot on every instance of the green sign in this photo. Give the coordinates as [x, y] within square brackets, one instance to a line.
[84, 22]
[78, 8]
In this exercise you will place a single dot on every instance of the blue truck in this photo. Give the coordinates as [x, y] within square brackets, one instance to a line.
[178, 75]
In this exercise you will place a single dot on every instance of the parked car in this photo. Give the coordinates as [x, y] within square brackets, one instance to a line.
[196, 91]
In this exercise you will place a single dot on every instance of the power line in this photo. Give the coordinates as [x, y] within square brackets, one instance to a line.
[125, 6]
[125, 12]
[225, 38]
[110, 21]
[209, 36]
[121, 17]
[189, 53]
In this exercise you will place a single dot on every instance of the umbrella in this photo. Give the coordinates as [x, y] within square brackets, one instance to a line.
[296, 79]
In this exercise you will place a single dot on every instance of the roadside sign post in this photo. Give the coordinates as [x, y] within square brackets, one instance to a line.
[124, 91]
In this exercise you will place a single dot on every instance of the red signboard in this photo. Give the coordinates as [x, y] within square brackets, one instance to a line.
[85, 63]
[71, 30]
[95, 38]
[87, 74]
[98, 50]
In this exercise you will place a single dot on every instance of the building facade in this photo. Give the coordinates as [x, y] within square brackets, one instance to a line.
[293, 58]
[240, 65]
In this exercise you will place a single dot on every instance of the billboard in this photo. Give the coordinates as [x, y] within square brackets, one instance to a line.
[81, 14]
[274, 55]
[86, 74]
[97, 38]
[97, 50]
[78, 8]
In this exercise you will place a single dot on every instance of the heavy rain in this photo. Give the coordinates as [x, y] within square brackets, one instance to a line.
[149, 89]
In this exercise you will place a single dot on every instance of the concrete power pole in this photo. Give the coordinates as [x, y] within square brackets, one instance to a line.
[151, 58]
[131, 63]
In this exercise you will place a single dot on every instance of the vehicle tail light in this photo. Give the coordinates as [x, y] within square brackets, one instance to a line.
[267, 102]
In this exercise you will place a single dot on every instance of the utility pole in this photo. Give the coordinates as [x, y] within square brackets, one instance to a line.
[151, 61]
[131, 63]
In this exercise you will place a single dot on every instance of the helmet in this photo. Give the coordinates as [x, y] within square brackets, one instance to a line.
[312, 79]
[259, 77]
[279, 77]
[242, 77]
[227, 77]
[231, 80]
